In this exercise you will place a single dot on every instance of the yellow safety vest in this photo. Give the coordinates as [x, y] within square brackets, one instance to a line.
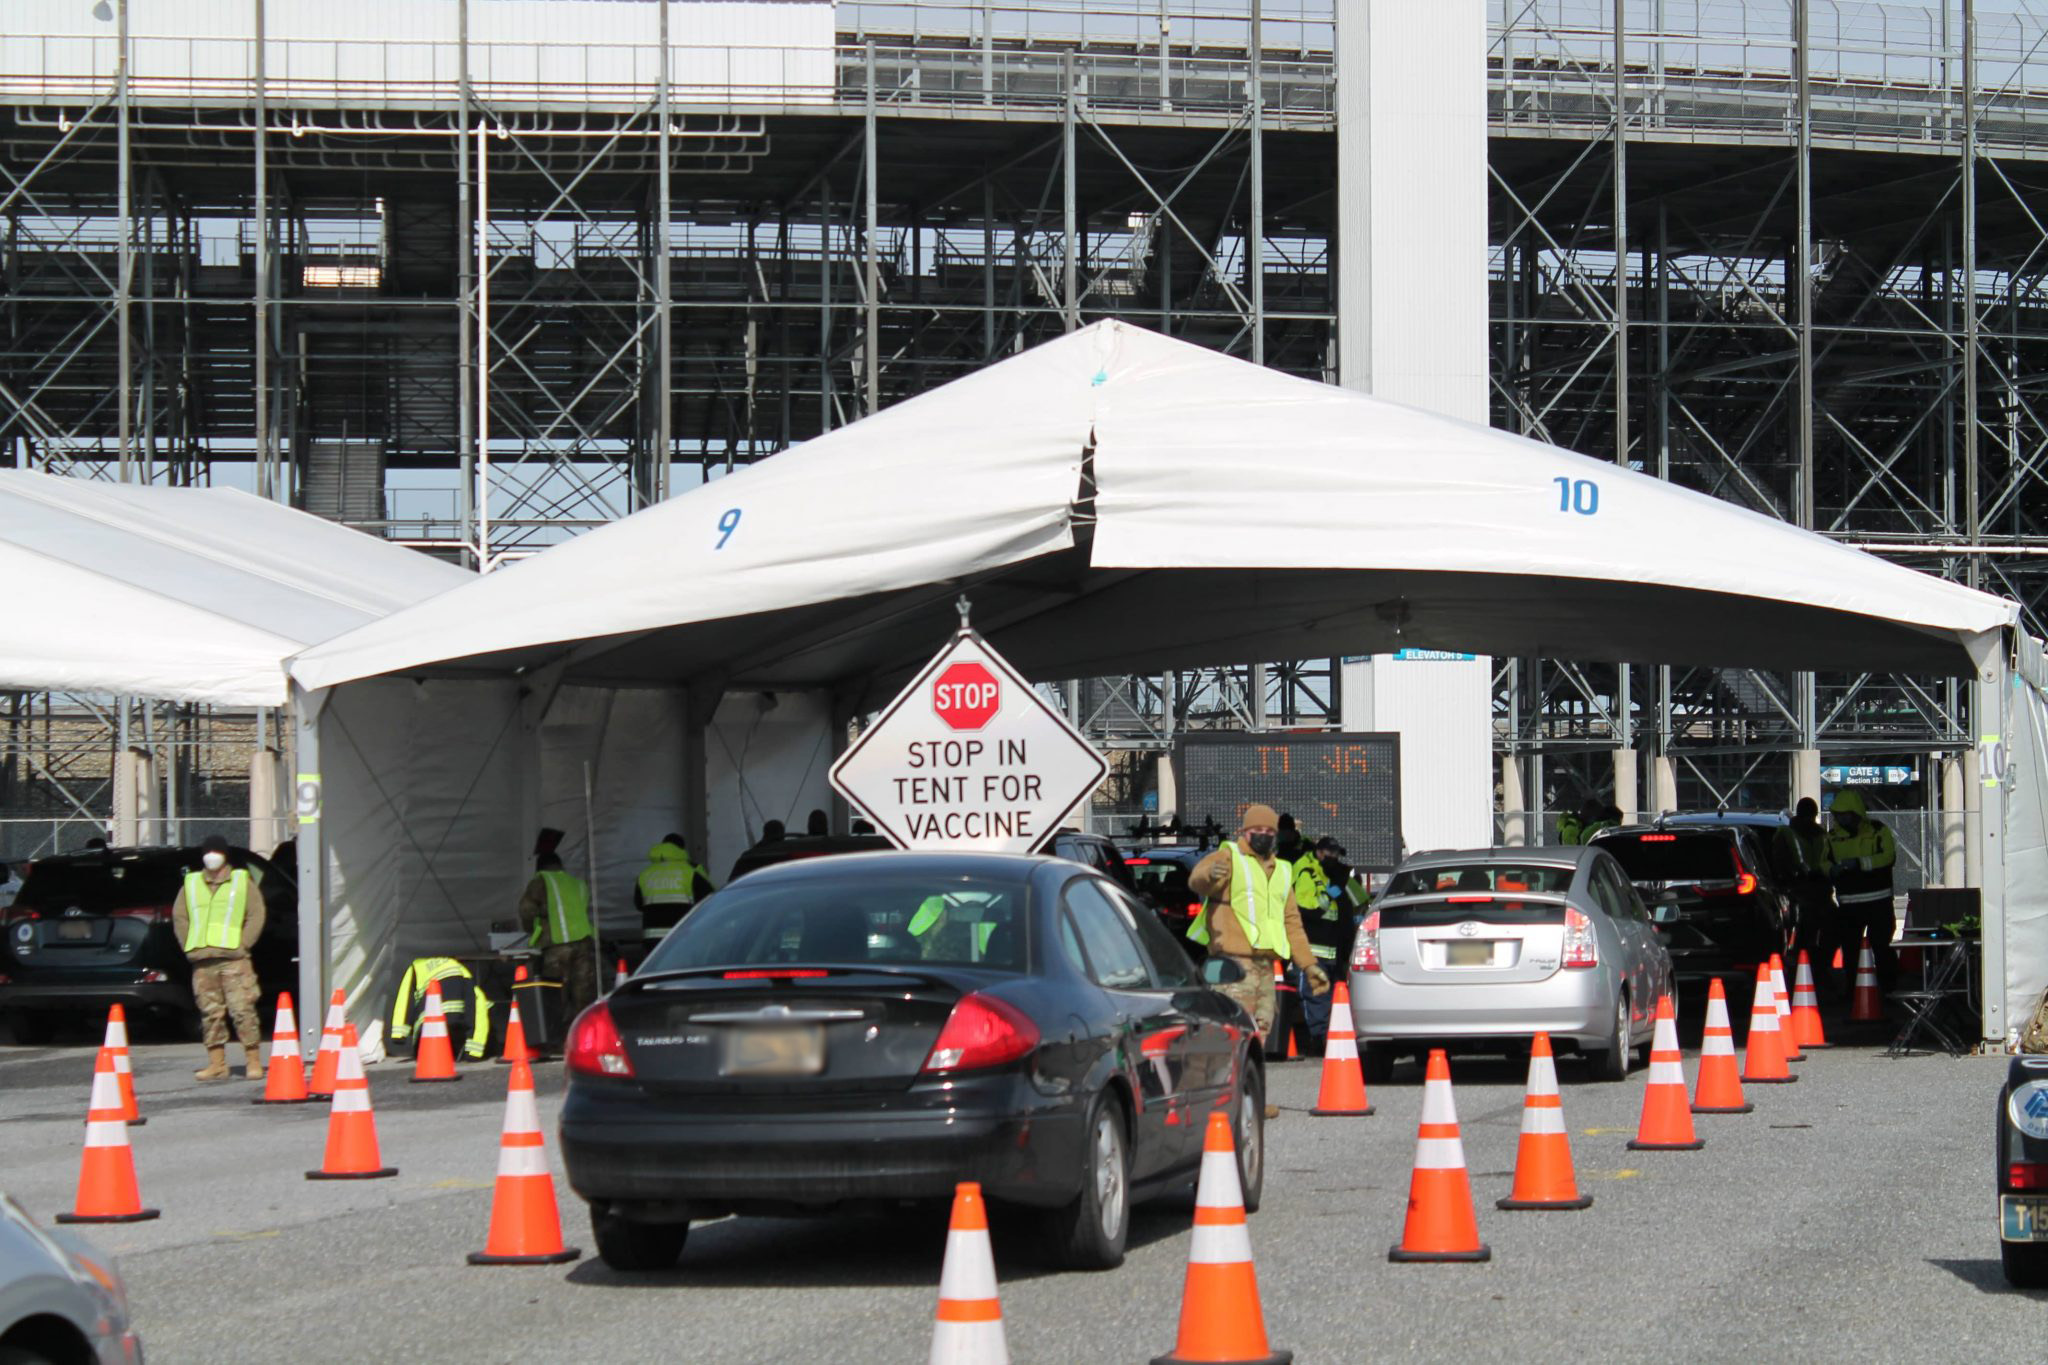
[213, 913]
[669, 878]
[1260, 901]
[568, 916]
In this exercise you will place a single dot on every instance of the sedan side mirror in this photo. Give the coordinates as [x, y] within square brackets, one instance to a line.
[1664, 911]
[1221, 971]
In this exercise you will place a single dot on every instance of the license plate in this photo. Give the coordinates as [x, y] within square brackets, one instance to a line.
[1468, 954]
[2023, 1217]
[774, 1052]
[76, 929]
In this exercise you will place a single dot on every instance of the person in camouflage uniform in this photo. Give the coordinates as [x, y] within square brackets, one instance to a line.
[217, 917]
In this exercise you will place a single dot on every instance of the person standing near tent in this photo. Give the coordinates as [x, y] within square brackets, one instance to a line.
[1802, 860]
[669, 888]
[1249, 915]
[461, 998]
[1863, 852]
[1320, 883]
[217, 916]
[555, 912]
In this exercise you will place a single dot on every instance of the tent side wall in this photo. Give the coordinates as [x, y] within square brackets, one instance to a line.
[2013, 761]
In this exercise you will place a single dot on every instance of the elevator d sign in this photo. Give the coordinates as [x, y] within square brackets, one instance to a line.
[969, 756]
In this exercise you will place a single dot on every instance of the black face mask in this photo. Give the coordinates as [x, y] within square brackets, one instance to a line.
[1333, 869]
[1261, 844]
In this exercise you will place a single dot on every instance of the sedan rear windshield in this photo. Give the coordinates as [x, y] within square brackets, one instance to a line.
[1481, 877]
[1672, 857]
[1455, 907]
[97, 886]
[895, 918]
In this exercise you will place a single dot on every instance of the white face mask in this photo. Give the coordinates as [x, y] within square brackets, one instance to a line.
[214, 861]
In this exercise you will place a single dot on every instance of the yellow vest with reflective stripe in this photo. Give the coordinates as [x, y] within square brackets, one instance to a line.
[213, 914]
[1260, 900]
[568, 914]
[669, 878]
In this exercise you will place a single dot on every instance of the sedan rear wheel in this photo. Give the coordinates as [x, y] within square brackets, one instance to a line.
[1612, 1064]
[626, 1245]
[1089, 1233]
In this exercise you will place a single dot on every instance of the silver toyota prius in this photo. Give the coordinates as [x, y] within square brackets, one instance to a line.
[1481, 950]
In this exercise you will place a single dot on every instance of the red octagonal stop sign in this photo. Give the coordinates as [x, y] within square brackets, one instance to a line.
[966, 696]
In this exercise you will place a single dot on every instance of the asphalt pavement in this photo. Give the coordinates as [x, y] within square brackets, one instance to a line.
[1851, 1217]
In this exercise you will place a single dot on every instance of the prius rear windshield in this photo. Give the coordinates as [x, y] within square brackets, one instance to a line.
[1479, 876]
[894, 919]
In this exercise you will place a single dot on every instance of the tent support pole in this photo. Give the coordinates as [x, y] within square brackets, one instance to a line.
[1070, 293]
[312, 984]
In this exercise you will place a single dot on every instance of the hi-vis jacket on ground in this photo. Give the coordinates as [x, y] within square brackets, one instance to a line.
[1213, 880]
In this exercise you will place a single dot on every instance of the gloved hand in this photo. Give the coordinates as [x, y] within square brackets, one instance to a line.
[1318, 983]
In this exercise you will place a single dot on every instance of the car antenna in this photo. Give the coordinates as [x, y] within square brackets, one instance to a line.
[965, 608]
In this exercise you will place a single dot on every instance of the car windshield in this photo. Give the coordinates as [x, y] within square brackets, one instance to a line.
[1164, 877]
[98, 886]
[1672, 857]
[1488, 876]
[893, 918]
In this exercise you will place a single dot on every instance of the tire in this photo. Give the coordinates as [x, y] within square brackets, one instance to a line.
[626, 1245]
[32, 1028]
[2026, 1264]
[1611, 1064]
[1376, 1061]
[1250, 1137]
[22, 1355]
[1089, 1233]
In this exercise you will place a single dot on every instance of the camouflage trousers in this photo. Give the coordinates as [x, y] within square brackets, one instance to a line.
[223, 990]
[1255, 992]
[575, 966]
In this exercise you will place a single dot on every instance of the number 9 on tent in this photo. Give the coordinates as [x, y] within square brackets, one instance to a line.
[727, 524]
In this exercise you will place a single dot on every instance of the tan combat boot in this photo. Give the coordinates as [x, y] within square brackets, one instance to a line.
[216, 1068]
[252, 1059]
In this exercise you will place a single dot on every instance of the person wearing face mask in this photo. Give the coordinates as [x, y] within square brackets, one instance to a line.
[1863, 852]
[217, 917]
[1250, 916]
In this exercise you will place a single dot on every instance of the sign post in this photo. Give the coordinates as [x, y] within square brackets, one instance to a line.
[969, 756]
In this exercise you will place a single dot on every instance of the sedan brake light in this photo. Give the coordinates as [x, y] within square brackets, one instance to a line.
[2027, 1175]
[1581, 947]
[777, 974]
[1468, 900]
[982, 1031]
[595, 1048]
[1365, 949]
[1659, 838]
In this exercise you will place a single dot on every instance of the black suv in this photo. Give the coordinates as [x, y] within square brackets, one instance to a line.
[91, 930]
[1732, 911]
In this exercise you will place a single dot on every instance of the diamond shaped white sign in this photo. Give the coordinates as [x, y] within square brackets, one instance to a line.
[969, 756]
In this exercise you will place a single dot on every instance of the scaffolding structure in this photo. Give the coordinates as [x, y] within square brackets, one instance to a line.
[476, 296]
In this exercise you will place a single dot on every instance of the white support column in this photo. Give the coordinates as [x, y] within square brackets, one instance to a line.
[1663, 784]
[1514, 818]
[1169, 791]
[1989, 693]
[1953, 830]
[1625, 784]
[266, 827]
[1805, 774]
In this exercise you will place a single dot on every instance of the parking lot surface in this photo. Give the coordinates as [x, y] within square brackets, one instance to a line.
[1849, 1217]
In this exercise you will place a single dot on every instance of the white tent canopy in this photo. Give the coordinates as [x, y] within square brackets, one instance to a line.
[183, 594]
[1114, 501]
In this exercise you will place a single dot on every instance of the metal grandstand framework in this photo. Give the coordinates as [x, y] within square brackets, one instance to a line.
[477, 296]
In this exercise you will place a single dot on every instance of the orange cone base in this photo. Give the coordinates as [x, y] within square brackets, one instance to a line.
[1584, 1201]
[139, 1216]
[377, 1174]
[1744, 1108]
[304, 1099]
[1768, 1080]
[1485, 1253]
[1341, 1113]
[550, 1258]
[1638, 1145]
[1277, 1358]
[1810, 1047]
[432, 1080]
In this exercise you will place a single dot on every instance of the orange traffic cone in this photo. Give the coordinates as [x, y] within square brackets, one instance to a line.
[1838, 959]
[619, 976]
[1343, 1089]
[1543, 1162]
[526, 1223]
[515, 1049]
[1764, 1062]
[1281, 1019]
[1781, 999]
[434, 1060]
[328, 1058]
[351, 1127]
[117, 1043]
[107, 1192]
[1720, 1087]
[1867, 1006]
[970, 1320]
[1806, 1026]
[285, 1082]
[1666, 1125]
[1441, 1223]
[1220, 1317]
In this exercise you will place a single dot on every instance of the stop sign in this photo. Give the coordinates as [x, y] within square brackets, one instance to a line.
[966, 696]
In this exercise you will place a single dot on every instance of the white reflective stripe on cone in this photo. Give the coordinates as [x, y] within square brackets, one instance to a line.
[353, 1100]
[106, 1133]
[1438, 1106]
[522, 1114]
[121, 1067]
[1542, 1076]
[1217, 1186]
[970, 1268]
[522, 1159]
[1220, 1244]
[117, 1033]
[1343, 1049]
[106, 1092]
[1542, 1119]
[1439, 1154]
[350, 1067]
[1667, 1072]
[433, 1026]
[1720, 1044]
